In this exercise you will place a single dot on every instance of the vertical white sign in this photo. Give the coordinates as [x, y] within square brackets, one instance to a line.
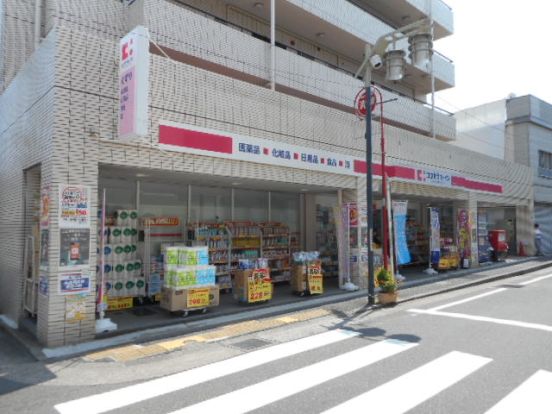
[134, 84]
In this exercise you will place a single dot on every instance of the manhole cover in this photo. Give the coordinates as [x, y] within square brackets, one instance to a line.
[142, 312]
[251, 344]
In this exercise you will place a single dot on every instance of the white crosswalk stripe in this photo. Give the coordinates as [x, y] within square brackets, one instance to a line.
[269, 391]
[533, 396]
[416, 386]
[111, 400]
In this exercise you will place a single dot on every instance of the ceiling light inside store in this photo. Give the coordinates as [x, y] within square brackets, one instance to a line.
[141, 175]
[236, 183]
[304, 190]
[258, 5]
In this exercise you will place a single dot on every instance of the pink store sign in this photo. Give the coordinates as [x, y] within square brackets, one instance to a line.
[134, 84]
[203, 141]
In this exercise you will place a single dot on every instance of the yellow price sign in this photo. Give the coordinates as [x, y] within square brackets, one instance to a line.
[316, 285]
[259, 286]
[197, 298]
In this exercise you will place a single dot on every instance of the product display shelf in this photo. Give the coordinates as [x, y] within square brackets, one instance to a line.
[417, 241]
[217, 237]
[326, 240]
[245, 242]
[483, 238]
[275, 242]
[294, 242]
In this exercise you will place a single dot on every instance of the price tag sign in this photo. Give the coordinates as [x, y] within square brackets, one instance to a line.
[315, 280]
[259, 286]
[198, 298]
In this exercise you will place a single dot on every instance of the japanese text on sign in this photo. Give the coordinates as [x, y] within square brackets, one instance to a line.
[198, 298]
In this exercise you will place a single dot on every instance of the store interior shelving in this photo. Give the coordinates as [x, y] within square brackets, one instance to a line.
[276, 248]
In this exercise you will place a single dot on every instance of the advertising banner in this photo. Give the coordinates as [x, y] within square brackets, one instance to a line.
[74, 247]
[134, 84]
[400, 210]
[464, 234]
[74, 283]
[75, 308]
[45, 207]
[74, 207]
[435, 239]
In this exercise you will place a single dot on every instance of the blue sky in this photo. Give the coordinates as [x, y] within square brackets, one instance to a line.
[498, 47]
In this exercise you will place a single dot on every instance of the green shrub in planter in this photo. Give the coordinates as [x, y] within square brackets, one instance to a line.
[386, 281]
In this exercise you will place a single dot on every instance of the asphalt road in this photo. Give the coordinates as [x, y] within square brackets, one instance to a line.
[478, 350]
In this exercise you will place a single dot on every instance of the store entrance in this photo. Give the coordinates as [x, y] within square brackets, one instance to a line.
[426, 218]
[175, 240]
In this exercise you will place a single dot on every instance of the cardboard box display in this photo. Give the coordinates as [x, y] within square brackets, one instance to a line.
[176, 300]
[260, 290]
[300, 279]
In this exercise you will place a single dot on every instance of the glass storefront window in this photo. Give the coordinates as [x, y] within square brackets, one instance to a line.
[158, 199]
[211, 204]
[285, 209]
[120, 194]
[250, 205]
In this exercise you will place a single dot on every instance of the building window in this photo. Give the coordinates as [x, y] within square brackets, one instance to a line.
[545, 164]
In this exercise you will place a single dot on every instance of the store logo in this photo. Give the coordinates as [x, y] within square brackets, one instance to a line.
[127, 51]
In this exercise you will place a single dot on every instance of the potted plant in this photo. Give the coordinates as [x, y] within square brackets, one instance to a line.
[388, 287]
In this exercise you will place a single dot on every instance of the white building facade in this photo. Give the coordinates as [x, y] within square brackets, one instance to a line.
[210, 106]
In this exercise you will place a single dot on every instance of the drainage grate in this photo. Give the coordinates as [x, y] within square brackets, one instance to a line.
[143, 312]
[249, 344]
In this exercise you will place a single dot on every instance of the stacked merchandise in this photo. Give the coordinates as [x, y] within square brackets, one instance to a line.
[122, 267]
[252, 281]
[217, 238]
[449, 258]
[307, 274]
[189, 280]
[276, 249]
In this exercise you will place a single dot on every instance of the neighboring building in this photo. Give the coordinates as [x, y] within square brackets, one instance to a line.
[221, 145]
[519, 130]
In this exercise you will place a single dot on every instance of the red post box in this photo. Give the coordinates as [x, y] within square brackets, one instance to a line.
[497, 239]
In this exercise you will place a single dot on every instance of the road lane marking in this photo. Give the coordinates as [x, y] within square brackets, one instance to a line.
[111, 400]
[448, 305]
[535, 280]
[497, 321]
[407, 391]
[533, 396]
[274, 389]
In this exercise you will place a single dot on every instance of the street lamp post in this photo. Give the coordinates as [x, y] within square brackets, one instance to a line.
[421, 41]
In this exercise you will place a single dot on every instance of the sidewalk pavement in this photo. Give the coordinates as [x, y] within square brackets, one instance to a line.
[417, 285]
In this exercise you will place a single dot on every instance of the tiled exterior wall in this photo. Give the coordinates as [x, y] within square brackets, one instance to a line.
[26, 130]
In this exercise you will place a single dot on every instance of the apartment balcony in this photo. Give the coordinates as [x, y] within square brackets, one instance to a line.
[208, 43]
[346, 29]
[398, 13]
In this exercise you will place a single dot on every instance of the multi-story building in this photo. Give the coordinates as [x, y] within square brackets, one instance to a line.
[519, 130]
[236, 129]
